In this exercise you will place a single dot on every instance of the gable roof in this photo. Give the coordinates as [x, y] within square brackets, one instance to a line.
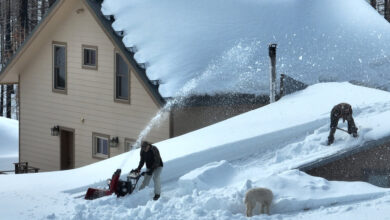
[94, 8]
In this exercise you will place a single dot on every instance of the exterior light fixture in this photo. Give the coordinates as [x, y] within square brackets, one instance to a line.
[55, 130]
[114, 142]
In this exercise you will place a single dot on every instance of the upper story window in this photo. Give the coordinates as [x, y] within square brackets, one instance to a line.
[90, 58]
[122, 79]
[59, 67]
[100, 145]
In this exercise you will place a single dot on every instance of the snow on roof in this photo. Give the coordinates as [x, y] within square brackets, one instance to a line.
[224, 43]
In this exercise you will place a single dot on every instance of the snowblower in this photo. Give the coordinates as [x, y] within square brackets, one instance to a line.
[116, 185]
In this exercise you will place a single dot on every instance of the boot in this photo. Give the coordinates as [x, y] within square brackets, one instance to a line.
[156, 197]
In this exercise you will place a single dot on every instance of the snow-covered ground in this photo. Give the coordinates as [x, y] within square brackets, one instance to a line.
[9, 143]
[207, 172]
[318, 41]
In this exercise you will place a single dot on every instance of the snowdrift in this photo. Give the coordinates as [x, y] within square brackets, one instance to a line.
[9, 143]
[207, 172]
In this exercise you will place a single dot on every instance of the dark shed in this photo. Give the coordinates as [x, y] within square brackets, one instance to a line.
[369, 162]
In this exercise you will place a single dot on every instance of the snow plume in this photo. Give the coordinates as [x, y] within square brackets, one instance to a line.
[237, 58]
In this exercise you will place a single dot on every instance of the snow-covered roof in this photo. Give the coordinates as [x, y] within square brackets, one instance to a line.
[223, 44]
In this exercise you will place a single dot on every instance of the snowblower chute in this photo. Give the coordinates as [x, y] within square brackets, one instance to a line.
[117, 186]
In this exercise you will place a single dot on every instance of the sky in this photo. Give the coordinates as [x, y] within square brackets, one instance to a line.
[207, 172]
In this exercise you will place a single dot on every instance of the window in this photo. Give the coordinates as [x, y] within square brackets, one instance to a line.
[122, 81]
[100, 145]
[59, 67]
[89, 57]
[129, 144]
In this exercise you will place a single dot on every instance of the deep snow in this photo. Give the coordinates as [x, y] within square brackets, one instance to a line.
[318, 41]
[9, 143]
[207, 172]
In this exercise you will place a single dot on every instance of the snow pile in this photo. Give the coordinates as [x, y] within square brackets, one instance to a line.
[207, 172]
[294, 191]
[224, 43]
[9, 143]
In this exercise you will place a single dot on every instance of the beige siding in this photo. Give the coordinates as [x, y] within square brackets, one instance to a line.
[90, 95]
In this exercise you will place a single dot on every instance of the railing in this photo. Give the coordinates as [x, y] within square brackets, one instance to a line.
[22, 167]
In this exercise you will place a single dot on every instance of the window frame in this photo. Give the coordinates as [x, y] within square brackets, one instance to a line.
[128, 140]
[89, 47]
[116, 99]
[54, 89]
[95, 136]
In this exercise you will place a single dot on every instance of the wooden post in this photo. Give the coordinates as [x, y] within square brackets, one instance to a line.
[272, 55]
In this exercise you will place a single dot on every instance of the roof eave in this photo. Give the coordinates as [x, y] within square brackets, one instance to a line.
[95, 7]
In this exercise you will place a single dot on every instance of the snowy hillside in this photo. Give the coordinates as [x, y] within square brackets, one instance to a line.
[224, 43]
[9, 143]
[207, 172]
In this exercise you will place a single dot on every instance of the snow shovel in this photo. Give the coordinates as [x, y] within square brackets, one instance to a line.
[342, 130]
[346, 131]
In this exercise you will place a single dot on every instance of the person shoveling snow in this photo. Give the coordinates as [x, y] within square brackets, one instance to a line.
[344, 111]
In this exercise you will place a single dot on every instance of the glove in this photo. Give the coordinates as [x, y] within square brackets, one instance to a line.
[149, 172]
[354, 134]
[330, 140]
[135, 170]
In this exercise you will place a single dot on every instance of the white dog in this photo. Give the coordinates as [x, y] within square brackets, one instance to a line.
[261, 195]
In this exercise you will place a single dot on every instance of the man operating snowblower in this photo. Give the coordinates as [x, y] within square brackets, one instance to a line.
[151, 156]
[344, 111]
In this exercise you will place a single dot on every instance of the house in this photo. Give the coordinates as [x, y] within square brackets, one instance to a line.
[368, 162]
[75, 80]
[82, 96]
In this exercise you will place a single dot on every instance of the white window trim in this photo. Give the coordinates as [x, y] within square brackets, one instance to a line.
[95, 136]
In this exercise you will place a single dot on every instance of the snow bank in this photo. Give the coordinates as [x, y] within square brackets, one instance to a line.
[193, 198]
[207, 172]
[224, 43]
[9, 143]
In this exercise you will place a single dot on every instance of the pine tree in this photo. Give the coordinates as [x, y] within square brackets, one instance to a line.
[17, 20]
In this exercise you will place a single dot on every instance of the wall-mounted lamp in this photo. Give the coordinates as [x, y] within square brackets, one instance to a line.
[80, 10]
[114, 142]
[55, 130]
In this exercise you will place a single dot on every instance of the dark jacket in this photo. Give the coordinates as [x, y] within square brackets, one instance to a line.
[344, 111]
[152, 159]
